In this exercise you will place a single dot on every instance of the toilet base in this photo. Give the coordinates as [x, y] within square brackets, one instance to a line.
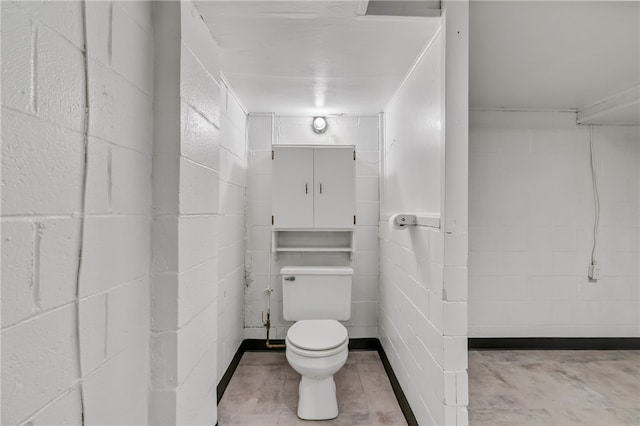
[317, 399]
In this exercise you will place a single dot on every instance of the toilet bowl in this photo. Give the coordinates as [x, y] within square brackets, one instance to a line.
[317, 349]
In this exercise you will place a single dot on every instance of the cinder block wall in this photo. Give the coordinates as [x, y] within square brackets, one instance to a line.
[231, 238]
[361, 131]
[423, 277]
[412, 260]
[531, 227]
[197, 152]
[43, 212]
[198, 233]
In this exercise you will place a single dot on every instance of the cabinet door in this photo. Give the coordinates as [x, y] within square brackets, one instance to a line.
[335, 200]
[292, 187]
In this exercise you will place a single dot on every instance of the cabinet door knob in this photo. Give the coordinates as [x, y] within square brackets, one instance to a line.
[306, 188]
[289, 278]
[321, 187]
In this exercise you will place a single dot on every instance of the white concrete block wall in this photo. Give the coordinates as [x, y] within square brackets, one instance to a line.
[198, 237]
[423, 310]
[531, 227]
[455, 20]
[42, 173]
[231, 245]
[361, 131]
[411, 316]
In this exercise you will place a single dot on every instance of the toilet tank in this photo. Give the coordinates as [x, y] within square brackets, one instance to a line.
[316, 292]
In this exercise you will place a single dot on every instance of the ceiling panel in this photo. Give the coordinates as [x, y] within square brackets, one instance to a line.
[552, 54]
[313, 56]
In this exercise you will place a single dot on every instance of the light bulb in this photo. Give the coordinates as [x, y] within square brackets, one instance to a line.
[319, 124]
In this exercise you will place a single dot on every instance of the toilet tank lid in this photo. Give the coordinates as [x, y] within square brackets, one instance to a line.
[316, 270]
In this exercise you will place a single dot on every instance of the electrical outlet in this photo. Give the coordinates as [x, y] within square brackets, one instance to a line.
[594, 271]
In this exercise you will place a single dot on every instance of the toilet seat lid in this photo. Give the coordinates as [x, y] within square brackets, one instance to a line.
[317, 335]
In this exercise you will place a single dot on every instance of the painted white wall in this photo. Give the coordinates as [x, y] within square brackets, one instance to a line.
[455, 22]
[198, 247]
[231, 241]
[423, 282]
[411, 261]
[531, 227]
[413, 139]
[361, 131]
[43, 162]
[199, 165]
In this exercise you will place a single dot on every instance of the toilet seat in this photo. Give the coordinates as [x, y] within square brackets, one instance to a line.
[317, 354]
[317, 338]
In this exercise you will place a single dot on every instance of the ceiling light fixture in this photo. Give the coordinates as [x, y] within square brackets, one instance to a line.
[319, 125]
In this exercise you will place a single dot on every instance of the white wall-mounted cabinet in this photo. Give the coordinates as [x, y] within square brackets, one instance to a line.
[313, 187]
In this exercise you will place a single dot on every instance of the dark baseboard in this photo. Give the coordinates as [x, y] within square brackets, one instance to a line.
[260, 345]
[554, 343]
[226, 377]
[365, 344]
[362, 344]
[397, 390]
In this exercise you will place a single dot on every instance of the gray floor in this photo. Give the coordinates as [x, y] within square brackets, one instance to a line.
[264, 391]
[554, 388]
[505, 388]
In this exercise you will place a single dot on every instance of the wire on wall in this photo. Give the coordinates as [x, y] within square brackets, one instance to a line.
[596, 197]
[83, 202]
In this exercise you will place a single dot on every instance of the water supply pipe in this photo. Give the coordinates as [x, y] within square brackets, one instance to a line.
[267, 325]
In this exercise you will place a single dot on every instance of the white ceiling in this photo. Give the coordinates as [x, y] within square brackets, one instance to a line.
[553, 54]
[315, 57]
[629, 114]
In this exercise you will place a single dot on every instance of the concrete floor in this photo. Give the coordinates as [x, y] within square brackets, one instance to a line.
[264, 391]
[505, 388]
[554, 388]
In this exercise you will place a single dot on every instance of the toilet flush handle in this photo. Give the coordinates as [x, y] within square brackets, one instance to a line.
[289, 278]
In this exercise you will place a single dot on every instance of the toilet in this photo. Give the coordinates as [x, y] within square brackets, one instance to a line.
[317, 344]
